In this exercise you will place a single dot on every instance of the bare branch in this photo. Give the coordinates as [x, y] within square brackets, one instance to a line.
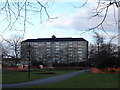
[16, 12]
[83, 5]
[104, 30]
[45, 9]
[104, 18]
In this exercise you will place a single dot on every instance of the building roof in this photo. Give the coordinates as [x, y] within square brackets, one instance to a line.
[54, 39]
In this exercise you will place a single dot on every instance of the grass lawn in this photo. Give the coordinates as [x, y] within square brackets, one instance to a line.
[86, 80]
[16, 76]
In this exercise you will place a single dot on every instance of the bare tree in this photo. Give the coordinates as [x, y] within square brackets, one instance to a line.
[11, 47]
[5, 50]
[103, 54]
[61, 55]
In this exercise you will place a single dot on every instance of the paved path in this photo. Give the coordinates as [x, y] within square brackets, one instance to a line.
[48, 80]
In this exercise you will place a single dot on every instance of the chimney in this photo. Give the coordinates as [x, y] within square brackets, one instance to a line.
[53, 37]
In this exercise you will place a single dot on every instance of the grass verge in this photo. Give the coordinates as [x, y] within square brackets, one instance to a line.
[86, 80]
[18, 76]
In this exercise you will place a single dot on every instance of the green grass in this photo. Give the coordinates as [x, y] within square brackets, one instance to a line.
[15, 76]
[86, 80]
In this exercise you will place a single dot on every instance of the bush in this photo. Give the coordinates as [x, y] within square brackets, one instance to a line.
[13, 65]
[37, 63]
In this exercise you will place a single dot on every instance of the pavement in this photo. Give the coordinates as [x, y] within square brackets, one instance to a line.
[48, 80]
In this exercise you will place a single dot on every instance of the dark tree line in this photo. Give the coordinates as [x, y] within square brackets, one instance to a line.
[104, 54]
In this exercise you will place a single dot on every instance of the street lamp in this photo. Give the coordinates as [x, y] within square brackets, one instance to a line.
[29, 61]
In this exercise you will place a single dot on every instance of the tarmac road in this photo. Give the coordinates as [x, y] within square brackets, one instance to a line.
[48, 80]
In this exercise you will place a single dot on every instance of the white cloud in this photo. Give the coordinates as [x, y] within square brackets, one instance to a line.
[79, 20]
[70, 21]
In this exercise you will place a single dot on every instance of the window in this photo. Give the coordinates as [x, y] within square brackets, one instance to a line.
[79, 52]
[70, 43]
[48, 42]
[70, 46]
[66, 44]
[79, 48]
[35, 43]
[39, 44]
[79, 42]
[84, 43]
[35, 46]
[47, 49]
[48, 46]
[57, 43]
[62, 43]
[57, 46]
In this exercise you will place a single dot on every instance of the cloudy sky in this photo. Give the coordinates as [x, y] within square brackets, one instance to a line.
[71, 21]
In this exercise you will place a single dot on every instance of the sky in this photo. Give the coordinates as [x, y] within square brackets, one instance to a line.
[69, 21]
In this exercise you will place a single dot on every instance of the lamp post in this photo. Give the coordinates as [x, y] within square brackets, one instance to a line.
[53, 50]
[29, 61]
